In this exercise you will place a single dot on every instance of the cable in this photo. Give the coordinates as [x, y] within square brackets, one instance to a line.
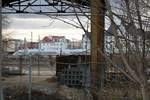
[50, 24]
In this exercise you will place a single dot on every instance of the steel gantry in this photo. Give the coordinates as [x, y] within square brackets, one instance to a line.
[45, 6]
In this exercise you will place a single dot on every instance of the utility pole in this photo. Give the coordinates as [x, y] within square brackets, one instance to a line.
[97, 42]
[30, 77]
[31, 44]
[39, 48]
[1, 52]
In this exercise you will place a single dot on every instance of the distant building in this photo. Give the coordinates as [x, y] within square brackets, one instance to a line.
[53, 42]
[86, 43]
[75, 45]
[11, 45]
[28, 45]
[69, 43]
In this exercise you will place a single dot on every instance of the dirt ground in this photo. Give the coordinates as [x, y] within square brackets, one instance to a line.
[13, 94]
[43, 88]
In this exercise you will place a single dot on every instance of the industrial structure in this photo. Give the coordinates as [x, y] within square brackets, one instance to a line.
[36, 6]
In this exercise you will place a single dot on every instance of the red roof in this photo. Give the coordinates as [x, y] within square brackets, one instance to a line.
[52, 38]
[47, 39]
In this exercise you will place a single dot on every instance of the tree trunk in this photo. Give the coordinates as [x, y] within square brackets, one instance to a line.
[1, 52]
[144, 92]
[97, 42]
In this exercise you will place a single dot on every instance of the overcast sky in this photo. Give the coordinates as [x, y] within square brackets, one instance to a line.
[21, 27]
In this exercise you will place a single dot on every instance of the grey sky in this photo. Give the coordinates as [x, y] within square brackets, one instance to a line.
[21, 27]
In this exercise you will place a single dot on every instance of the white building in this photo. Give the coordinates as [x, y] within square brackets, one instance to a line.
[11, 45]
[86, 43]
[53, 42]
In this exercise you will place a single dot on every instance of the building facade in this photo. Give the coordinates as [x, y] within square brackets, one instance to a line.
[28, 45]
[86, 43]
[11, 45]
[53, 42]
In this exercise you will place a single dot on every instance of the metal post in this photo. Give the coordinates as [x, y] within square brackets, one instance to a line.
[97, 42]
[38, 65]
[20, 65]
[30, 78]
[0, 36]
[39, 47]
